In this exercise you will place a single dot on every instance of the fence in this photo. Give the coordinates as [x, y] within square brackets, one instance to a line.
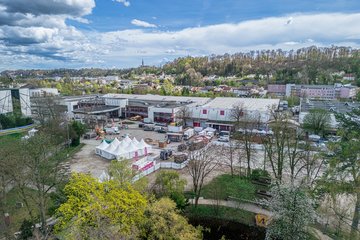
[157, 166]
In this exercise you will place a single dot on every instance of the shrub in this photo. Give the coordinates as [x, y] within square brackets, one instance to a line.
[259, 173]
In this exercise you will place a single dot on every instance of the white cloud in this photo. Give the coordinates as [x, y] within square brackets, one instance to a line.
[67, 46]
[141, 23]
[126, 3]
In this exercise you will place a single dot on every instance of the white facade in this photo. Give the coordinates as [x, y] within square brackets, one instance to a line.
[41, 92]
[6, 105]
[6, 101]
[219, 109]
[25, 101]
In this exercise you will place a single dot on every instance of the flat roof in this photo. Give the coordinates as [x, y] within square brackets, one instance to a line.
[260, 104]
[329, 105]
[96, 109]
[193, 101]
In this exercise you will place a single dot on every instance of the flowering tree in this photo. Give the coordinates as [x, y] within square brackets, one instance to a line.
[293, 212]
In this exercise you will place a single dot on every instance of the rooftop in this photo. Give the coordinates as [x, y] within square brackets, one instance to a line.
[333, 106]
[260, 104]
[192, 101]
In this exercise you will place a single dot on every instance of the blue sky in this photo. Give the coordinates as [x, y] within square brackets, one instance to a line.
[119, 33]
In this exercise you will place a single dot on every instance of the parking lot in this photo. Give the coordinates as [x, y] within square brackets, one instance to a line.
[86, 161]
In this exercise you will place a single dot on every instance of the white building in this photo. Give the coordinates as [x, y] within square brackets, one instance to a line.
[43, 92]
[217, 113]
[10, 97]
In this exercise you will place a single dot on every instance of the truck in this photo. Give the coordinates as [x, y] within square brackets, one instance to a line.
[112, 130]
[189, 133]
[224, 136]
[149, 127]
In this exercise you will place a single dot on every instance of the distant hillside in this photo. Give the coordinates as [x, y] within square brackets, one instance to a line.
[310, 65]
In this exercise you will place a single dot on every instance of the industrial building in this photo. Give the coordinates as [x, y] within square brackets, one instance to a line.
[195, 111]
[12, 99]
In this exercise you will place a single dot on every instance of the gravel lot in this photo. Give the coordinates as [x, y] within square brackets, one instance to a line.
[86, 161]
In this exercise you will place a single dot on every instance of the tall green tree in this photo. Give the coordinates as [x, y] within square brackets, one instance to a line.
[317, 121]
[163, 221]
[96, 210]
[344, 165]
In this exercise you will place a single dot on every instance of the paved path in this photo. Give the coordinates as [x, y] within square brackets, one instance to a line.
[254, 209]
[234, 204]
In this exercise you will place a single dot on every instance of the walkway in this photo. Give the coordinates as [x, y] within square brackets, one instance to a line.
[234, 204]
[252, 208]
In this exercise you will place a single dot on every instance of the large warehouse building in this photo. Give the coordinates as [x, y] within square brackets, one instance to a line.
[200, 112]
[11, 99]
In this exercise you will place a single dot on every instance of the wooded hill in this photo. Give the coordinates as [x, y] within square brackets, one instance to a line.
[311, 65]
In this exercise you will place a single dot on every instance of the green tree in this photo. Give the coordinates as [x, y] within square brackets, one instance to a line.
[96, 210]
[122, 173]
[169, 184]
[344, 167]
[77, 130]
[317, 121]
[163, 221]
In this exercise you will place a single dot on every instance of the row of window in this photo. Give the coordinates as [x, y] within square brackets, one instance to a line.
[222, 112]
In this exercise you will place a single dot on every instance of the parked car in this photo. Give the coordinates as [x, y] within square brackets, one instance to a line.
[224, 136]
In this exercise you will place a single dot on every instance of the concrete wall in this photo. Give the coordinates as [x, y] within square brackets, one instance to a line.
[6, 105]
[25, 101]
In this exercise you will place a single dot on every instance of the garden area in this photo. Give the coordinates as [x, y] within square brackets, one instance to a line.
[225, 186]
[13, 120]
[219, 222]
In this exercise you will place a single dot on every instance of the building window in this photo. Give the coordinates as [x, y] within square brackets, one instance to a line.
[204, 111]
[222, 112]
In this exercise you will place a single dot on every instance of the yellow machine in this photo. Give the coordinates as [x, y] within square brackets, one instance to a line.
[262, 220]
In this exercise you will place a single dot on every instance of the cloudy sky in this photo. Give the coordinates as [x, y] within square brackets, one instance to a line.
[120, 33]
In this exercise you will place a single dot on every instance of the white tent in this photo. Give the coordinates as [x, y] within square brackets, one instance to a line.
[108, 152]
[121, 152]
[124, 144]
[136, 142]
[115, 142]
[101, 147]
[127, 139]
[133, 150]
[144, 147]
[127, 149]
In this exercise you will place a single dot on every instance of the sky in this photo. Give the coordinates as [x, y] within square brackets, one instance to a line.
[42, 34]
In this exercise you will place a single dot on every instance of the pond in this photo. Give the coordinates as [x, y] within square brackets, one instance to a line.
[230, 229]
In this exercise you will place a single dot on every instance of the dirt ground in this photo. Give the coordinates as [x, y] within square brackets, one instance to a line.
[86, 161]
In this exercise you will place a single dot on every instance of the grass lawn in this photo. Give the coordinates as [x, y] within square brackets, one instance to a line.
[14, 136]
[224, 186]
[221, 212]
[19, 214]
[67, 153]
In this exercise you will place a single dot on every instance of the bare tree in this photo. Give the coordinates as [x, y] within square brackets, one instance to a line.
[201, 163]
[237, 114]
[229, 154]
[276, 144]
[183, 114]
[247, 134]
[42, 169]
[313, 162]
[292, 148]
[46, 109]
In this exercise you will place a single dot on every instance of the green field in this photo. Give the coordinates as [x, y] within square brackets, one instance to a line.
[14, 136]
[17, 212]
[224, 186]
[221, 212]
